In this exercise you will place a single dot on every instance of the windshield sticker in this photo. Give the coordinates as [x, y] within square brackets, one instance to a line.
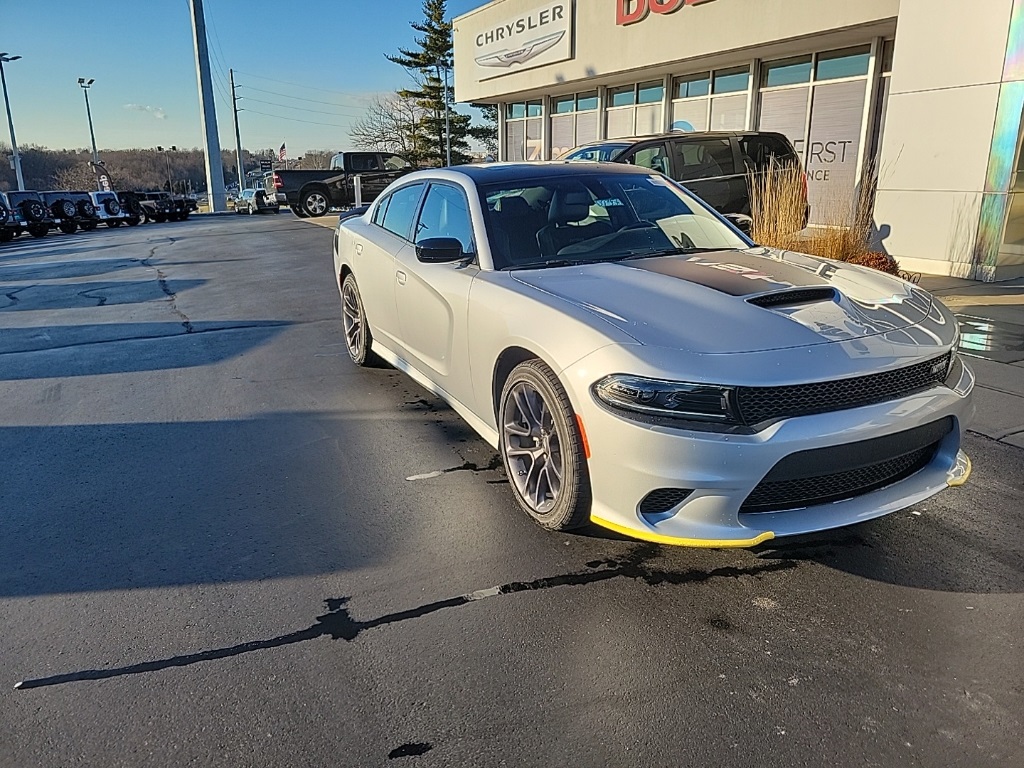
[659, 181]
[611, 202]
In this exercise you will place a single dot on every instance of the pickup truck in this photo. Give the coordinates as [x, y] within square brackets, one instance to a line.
[314, 193]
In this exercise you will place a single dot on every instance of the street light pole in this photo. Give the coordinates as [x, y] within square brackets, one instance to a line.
[86, 85]
[447, 119]
[4, 58]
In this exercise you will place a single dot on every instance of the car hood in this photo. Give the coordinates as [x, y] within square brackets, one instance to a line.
[736, 300]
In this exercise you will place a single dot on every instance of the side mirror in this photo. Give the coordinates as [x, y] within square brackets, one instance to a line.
[439, 250]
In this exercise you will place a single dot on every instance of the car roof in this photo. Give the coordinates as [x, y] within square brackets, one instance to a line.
[486, 173]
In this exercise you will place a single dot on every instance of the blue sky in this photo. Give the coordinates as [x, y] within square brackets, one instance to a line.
[140, 53]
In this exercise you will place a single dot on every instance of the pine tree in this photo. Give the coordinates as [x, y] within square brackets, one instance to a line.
[428, 63]
[487, 132]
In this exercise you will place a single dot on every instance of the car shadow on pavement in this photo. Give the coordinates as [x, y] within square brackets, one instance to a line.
[88, 350]
[92, 294]
[150, 505]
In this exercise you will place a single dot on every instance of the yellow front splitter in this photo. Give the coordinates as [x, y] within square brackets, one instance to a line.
[677, 541]
[961, 471]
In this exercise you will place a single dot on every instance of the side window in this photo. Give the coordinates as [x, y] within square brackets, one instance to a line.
[446, 214]
[703, 159]
[364, 161]
[402, 210]
[380, 210]
[654, 157]
[759, 150]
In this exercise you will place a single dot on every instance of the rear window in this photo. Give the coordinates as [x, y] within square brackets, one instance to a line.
[759, 150]
[704, 159]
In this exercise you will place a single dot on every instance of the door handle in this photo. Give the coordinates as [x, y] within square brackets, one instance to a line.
[359, 247]
[401, 277]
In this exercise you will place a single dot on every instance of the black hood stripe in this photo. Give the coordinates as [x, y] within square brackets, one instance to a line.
[731, 272]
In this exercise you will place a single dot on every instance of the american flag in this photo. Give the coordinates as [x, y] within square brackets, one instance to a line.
[281, 153]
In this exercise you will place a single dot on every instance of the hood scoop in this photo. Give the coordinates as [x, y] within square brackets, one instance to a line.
[794, 297]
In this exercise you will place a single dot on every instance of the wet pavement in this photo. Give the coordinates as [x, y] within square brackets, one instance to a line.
[222, 544]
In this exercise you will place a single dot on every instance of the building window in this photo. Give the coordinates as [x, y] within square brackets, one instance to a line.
[689, 86]
[732, 80]
[786, 72]
[574, 121]
[817, 102]
[715, 101]
[849, 62]
[635, 110]
[523, 130]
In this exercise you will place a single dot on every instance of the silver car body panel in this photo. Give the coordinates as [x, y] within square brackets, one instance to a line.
[447, 326]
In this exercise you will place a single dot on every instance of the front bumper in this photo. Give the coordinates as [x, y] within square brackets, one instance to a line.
[630, 459]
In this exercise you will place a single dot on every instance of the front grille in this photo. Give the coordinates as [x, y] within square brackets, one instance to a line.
[803, 480]
[760, 404]
[662, 500]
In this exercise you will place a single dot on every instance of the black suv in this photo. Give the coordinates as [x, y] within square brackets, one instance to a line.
[713, 164]
[71, 210]
[29, 213]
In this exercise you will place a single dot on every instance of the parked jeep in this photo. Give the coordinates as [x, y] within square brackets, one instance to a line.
[131, 207]
[30, 212]
[108, 209]
[63, 210]
[8, 226]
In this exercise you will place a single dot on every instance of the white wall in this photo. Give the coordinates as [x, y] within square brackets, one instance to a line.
[946, 80]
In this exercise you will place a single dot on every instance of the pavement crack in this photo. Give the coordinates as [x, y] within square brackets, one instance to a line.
[99, 298]
[338, 624]
[12, 296]
[468, 466]
[173, 299]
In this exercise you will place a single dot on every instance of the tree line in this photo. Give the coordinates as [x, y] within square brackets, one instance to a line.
[418, 122]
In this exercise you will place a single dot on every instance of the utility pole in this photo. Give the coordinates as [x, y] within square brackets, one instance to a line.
[4, 58]
[208, 110]
[85, 86]
[238, 136]
[447, 120]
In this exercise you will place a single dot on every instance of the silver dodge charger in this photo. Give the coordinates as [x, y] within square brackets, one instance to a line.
[639, 364]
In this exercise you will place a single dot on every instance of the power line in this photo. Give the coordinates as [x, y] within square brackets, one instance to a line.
[298, 85]
[301, 109]
[294, 119]
[297, 98]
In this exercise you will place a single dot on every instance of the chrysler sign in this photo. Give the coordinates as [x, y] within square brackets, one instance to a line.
[535, 38]
[634, 11]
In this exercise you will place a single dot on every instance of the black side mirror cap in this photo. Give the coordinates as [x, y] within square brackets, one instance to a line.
[439, 250]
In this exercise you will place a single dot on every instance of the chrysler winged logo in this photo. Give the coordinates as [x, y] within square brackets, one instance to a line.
[506, 58]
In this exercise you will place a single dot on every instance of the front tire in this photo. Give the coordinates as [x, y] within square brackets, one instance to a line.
[133, 221]
[89, 226]
[358, 339]
[542, 449]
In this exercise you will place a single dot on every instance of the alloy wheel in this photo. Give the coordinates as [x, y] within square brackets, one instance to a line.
[532, 447]
[316, 204]
[352, 315]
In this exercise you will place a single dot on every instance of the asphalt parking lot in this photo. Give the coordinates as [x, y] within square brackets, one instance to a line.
[212, 553]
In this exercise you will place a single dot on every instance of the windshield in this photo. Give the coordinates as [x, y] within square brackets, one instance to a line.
[599, 153]
[597, 217]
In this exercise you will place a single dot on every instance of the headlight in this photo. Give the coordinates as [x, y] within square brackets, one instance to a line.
[672, 399]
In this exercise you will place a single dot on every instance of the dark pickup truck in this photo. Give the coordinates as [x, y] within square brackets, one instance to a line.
[314, 193]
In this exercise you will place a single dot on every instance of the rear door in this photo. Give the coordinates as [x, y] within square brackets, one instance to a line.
[708, 167]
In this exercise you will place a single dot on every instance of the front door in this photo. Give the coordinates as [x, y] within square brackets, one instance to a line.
[433, 299]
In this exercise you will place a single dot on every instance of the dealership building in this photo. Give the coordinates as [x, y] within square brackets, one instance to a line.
[928, 93]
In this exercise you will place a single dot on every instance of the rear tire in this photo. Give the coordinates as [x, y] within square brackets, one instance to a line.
[299, 212]
[542, 449]
[315, 202]
[68, 227]
[6, 235]
[89, 226]
[38, 230]
[358, 339]
[113, 224]
[160, 218]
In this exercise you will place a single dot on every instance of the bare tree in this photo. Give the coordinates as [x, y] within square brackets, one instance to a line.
[75, 177]
[392, 124]
[317, 158]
